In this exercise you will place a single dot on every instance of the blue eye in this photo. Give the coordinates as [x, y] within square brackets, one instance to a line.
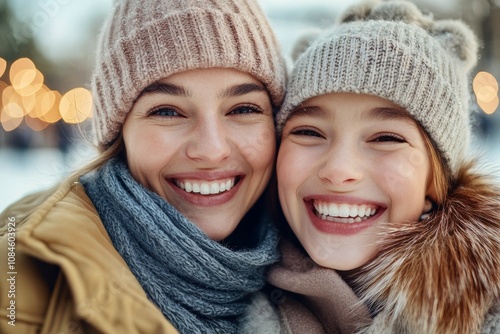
[164, 111]
[245, 109]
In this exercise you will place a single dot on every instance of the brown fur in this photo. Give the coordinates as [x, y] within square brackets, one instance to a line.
[442, 274]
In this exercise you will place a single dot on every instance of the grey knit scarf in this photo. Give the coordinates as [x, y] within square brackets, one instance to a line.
[200, 285]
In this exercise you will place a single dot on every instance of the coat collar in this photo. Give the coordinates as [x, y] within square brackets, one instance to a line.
[66, 231]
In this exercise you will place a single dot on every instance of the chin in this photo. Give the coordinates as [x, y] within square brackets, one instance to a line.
[218, 234]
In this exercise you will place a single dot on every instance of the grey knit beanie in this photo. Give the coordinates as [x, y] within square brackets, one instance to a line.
[146, 40]
[392, 50]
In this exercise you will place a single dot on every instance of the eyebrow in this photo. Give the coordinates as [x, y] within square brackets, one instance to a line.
[170, 89]
[383, 114]
[165, 88]
[311, 111]
[242, 89]
[388, 114]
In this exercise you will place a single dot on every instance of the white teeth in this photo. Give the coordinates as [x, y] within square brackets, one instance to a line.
[206, 188]
[353, 212]
[332, 210]
[361, 210]
[344, 213]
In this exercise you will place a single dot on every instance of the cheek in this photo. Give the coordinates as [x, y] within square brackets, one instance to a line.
[293, 168]
[147, 149]
[404, 180]
[257, 146]
[404, 172]
[286, 169]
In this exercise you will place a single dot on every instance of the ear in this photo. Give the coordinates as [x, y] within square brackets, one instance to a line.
[431, 191]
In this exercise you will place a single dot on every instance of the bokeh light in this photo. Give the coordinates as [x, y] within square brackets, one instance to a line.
[3, 66]
[28, 98]
[12, 103]
[76, 105]
[35, 124]
[49, 101]
[10, 123]
[20, 65]
[27, 82]
[486, 90]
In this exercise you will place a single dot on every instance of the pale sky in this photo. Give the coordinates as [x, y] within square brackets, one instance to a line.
[56, 23]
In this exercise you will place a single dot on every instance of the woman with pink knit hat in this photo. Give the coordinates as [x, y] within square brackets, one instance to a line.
[166, 230]
[391, 227]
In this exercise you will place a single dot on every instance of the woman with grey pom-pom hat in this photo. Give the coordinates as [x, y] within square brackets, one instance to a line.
[390, 226]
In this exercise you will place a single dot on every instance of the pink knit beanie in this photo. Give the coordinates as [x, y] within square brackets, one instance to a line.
[146, 40]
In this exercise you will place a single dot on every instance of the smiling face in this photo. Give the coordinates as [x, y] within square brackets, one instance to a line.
[204, 141]
[346, 164]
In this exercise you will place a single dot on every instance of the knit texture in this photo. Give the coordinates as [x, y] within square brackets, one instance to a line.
[390, 49]
[147, 40]
[200, 285]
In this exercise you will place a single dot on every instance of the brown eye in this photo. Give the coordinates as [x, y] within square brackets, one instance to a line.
[389, 137]
[306, 132]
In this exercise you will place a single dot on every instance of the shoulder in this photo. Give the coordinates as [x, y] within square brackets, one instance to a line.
[261, 316]
[31, 276]
[40, 203]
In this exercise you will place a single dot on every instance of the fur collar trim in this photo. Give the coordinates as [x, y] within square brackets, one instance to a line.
[440, 275]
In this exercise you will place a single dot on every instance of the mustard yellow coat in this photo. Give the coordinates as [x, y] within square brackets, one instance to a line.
[63, 274]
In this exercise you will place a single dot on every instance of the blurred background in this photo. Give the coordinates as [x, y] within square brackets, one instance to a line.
[46, 58]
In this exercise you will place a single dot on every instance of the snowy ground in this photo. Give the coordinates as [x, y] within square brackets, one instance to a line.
[22, 172]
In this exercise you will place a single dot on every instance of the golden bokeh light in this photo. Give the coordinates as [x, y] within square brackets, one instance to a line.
[3, 66]
[9, 123]
[20, 65]
[28, 82]
[13, 110]
[76, 105]
[3, 85]
[490, 106]
[12, 103]
[28, 98]
[486, 93]
[35, 124]
[30, 102]
[486, 90]
[50, 101]
[485, 79]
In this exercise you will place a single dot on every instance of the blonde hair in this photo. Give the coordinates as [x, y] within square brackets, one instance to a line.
[106, 153]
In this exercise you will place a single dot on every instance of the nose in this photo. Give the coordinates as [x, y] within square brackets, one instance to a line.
[342, 165]
[210, 141]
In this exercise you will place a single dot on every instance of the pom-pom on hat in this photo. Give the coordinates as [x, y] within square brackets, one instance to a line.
[392, 50]
[146, 40]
